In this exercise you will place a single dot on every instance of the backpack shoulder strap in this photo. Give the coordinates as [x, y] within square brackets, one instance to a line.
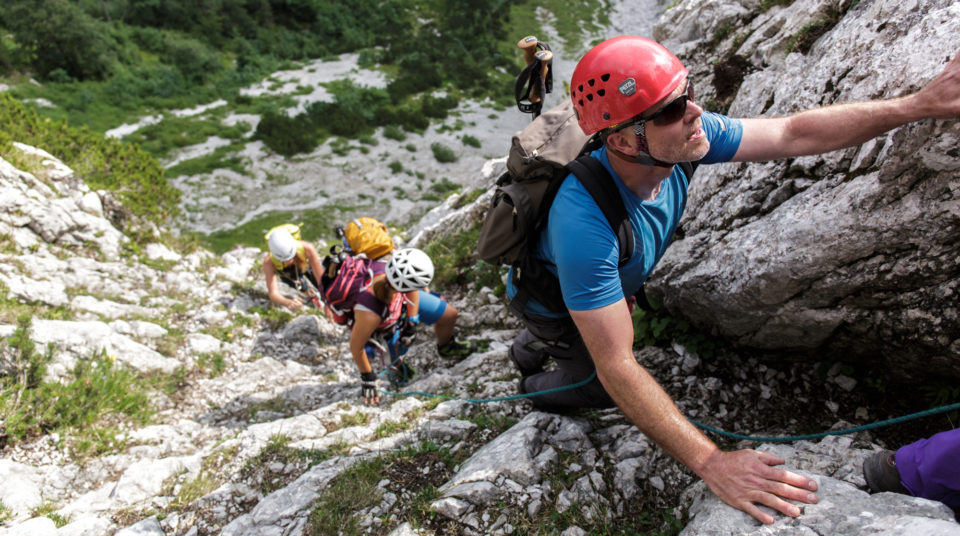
[601, 186]
[689, 168]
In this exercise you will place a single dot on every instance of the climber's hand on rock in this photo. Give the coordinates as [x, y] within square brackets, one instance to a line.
[745, 478]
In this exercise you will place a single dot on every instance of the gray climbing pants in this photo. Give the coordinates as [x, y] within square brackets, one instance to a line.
[557, 338]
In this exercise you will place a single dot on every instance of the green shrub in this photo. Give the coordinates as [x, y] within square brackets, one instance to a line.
[286, 135]
[471, 141]
[104, 163]
[437, 107]
[394, 132]
[395, 167]
[442, 153]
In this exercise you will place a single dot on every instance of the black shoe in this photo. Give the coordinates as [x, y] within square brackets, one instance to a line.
[401, 374]
[455, 348]
[880, 471]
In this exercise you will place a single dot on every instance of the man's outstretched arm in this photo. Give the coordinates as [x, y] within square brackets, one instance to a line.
[742, 479]
[844, 125]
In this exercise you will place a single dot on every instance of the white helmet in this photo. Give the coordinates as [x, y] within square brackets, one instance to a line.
[409, 269]
[283, 246]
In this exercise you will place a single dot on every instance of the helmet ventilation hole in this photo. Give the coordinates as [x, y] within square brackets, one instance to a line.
[601, 92]
[590, 97]
[605, 77]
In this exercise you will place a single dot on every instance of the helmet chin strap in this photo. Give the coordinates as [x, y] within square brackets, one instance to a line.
[643, 150]
[641, 158]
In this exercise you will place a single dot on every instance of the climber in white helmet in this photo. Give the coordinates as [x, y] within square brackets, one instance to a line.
[402, 280]
[291, 260]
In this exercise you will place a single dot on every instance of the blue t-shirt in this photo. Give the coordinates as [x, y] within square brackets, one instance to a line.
[582, 250]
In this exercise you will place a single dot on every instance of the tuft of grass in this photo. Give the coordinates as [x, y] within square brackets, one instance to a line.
[212, 362]
[659, 328]
[6, 513]
[251, 233]
[445, 186]
[442, 153]
[358, 418]
[272, 317]
[388, 428]
[277, 450]
[48, 510]
[98, 392]
[471, 141]
[456, 263]
[353, 490]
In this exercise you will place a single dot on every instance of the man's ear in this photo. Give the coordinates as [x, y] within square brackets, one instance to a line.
[623, 141]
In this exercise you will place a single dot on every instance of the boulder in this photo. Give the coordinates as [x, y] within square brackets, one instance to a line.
[851, 253]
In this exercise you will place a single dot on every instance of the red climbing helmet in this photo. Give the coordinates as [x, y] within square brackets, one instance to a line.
[621, 78]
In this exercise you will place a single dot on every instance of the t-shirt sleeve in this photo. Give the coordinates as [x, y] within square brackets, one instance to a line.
[587, 264]
[724, 134]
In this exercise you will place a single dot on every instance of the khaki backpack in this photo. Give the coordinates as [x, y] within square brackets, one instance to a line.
[541, 157]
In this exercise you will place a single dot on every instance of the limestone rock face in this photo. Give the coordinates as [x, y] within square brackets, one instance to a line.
[854, 252]
[258, 420]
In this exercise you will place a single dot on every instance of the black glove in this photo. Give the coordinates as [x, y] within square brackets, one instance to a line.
[368, 387]
[408, 333]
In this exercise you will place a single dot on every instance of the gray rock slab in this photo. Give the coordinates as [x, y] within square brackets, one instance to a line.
[512, 454]
[147, 527]
[22, 488]
[842, 509]
[37, 526]
[80, 340]
[86, 526]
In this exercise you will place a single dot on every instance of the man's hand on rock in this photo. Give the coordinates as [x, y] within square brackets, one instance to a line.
[745, 478]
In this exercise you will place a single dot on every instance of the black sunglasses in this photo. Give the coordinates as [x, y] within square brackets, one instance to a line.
[672, 111]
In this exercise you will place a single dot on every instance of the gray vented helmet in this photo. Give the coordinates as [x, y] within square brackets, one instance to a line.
[409, 269]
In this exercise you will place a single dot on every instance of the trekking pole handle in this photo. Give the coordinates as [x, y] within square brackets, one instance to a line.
[544, 57]
[529, 46]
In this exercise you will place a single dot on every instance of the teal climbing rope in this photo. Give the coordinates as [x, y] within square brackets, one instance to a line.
[494, 399]
[788, 439]
[764, 439]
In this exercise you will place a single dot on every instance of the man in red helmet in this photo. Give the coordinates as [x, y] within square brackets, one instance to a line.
[640, 99]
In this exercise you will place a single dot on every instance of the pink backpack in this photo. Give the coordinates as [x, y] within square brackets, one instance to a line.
[353, 276]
